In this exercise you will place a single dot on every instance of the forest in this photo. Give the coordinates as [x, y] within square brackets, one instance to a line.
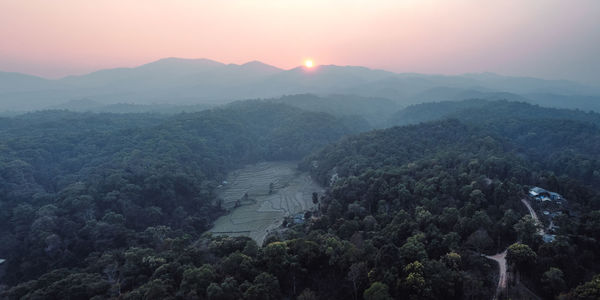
[116, 206]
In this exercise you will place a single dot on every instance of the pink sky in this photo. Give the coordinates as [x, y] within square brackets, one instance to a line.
[543, 38]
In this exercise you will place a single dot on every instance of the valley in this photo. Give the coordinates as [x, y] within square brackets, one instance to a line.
[274, 190]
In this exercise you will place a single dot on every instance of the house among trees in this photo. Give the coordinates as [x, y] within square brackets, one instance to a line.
[541, 194]
[548, 238]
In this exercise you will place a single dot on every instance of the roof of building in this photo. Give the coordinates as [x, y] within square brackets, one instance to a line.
[537, 190]
[548, 238]
[544, 195]
[555, 195]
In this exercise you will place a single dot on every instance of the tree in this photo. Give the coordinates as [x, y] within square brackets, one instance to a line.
[156, 289]
[276, 258]
[588, 291]
[357, 274]
[251, 248]
[527, 230]
[413, 249]
[377, 291]
[307, 294]
[480, 239]
[452, 260]
[520, 255]
[265, 286]
[414, 282]
[197, 279]
[553, 281]
[230, 289]
[214, 292]
[477, 197]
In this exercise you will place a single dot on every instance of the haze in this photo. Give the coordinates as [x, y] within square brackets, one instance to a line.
[541, 38]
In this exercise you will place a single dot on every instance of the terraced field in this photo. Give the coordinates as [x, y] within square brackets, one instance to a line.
[263, 211]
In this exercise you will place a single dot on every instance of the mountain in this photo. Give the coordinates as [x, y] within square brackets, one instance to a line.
[86, 105]
[202, 81]
[171, 72]
[15, 82]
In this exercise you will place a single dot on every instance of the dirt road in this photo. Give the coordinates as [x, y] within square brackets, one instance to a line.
[500, 258]
[534, 216]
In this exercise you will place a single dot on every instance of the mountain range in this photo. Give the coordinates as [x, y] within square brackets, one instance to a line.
[176, 81]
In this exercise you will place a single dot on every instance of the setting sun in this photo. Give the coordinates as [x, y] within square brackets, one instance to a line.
[308, 63]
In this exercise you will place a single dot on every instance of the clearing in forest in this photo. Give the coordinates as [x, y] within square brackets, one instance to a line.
[274, 190]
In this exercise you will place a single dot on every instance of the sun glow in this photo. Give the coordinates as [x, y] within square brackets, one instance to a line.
[309, 63]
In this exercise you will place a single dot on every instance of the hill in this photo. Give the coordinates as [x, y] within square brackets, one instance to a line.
[113, 205]
[564, 141]
[414, 198]
[73, 184]
[373, 110]
[478, 111]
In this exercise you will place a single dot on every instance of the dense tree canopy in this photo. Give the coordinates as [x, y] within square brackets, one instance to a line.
[73, 185]
[115, 206]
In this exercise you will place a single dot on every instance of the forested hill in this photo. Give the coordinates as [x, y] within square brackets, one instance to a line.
[426, 195]
[398, 146]
[480, 111]
[74, 184]
[561, 140]
[109, 206]
[375, 110]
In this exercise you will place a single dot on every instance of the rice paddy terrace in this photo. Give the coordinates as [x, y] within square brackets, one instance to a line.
[259, 196]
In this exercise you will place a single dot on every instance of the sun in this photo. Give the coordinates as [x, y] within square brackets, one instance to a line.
[309, 63]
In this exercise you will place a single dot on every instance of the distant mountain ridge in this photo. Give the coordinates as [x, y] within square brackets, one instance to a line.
[482, 112]
[203, 81]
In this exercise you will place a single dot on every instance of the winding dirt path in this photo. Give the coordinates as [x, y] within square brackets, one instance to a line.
[534, 216]
[500, 258]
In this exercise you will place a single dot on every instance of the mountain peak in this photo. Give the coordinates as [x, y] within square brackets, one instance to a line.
[177, 61]
[260, 66]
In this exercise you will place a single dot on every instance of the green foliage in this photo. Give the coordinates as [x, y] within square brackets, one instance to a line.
[553, 281]
[588, 291]
[115, 205]
[377, 291]
[564, 141]
[520, 255]
[527, 230]
[265, 286]
[77, 186]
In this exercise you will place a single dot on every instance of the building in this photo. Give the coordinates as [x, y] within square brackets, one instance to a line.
[548, 238]
[535, 191]
[541, 194]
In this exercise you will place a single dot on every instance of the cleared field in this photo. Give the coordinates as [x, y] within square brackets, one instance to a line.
[262, 212]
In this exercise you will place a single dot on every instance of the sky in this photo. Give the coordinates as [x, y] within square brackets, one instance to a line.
[557, 39]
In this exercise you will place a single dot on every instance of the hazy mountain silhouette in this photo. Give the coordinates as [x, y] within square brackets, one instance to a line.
[202, 81]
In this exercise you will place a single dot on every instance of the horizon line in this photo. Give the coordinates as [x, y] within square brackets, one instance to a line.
[300, 66]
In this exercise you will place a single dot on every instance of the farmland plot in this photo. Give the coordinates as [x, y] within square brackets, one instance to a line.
[274, 190]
